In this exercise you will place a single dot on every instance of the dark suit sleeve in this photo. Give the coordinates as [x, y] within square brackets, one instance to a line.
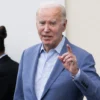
[88, 81]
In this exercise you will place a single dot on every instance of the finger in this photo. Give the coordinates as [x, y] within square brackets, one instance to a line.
[64, 55]
[59, 57]
[66, 58]
[69, 48]
[69, 62]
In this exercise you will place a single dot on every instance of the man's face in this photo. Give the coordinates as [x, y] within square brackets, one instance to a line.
[50, 26]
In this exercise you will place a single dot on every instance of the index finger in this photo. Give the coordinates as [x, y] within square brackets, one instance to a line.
[69, 48]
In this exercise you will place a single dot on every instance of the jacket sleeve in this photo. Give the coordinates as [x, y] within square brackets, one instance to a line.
[88, 81]
[18, 95]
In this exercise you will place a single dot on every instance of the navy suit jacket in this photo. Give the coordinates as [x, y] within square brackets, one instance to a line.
[60, 85]
[8, 75]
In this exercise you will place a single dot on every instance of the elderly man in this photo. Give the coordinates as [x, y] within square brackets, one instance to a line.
[56, 69]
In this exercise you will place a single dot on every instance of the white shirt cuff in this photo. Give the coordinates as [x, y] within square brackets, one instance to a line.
[77, 75]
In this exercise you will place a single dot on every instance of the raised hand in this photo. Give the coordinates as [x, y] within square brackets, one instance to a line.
[69, 61]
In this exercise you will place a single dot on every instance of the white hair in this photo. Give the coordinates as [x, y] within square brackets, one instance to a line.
[48, 4]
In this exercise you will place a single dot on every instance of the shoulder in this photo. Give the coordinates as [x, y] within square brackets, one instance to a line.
[82, 55]
[33, 48]
[79, 50]
[76, 49]
[13, 66]
[9, 65]
[12, 62]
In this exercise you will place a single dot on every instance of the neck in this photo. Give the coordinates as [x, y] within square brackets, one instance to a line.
[47, 48]
[1, 53]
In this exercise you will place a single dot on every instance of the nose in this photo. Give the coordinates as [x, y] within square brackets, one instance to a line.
[46, 28]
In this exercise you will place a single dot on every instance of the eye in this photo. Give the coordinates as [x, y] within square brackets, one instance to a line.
[42, 22]
[53, 23]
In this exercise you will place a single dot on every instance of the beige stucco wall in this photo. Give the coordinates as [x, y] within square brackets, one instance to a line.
[83, 28]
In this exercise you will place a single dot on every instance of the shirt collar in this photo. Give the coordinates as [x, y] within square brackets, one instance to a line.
[58, 48]
[2, 55]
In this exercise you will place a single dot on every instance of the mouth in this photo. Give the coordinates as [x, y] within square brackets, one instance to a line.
[46, 37]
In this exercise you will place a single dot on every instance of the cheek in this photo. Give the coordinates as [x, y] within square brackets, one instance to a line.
[57, 31]
[39, 30]
[58, 34]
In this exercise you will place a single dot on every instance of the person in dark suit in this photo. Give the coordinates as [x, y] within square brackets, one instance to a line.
[8, 70]
[56, 69]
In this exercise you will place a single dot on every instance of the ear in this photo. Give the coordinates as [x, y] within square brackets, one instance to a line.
[64, 25]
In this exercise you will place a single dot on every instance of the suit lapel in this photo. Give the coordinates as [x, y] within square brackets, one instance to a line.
[34, 60]
[58, 68]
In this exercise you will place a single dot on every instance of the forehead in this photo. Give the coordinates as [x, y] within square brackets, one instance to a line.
[49, 12]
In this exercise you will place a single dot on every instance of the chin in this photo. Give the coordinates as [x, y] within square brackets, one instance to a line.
[46, 42]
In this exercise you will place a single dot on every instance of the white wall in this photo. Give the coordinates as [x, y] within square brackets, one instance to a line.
[84, 26]
[19, 18]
